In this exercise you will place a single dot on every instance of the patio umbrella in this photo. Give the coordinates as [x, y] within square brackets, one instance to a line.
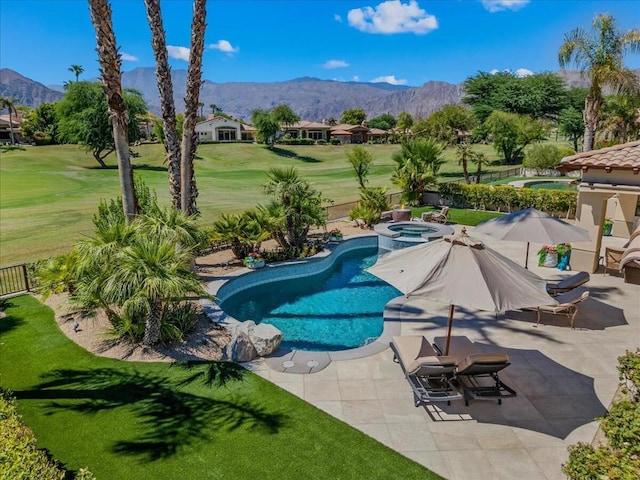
[531, 225]
[459, 270]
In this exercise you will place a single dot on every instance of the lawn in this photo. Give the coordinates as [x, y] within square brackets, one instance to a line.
[129, 420]
[48, 195]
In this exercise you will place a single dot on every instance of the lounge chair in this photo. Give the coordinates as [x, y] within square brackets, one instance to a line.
[567, 306]
[439, 217]
[477, 374]
[568, 284]
[612, 258]
[429, 375]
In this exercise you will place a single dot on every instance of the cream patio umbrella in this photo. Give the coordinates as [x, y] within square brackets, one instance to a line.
[531, 225]
[459, 270]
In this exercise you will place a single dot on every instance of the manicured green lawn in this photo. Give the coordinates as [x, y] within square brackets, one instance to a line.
[129, 420]
[459, 215]
[48, 195]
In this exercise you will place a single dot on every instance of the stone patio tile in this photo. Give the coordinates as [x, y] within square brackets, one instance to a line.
[537, 433]
[491, 436]
[392, 388]
[410, 437]
[454, 435]
[469, 464]
[432, 460]
[296, 388]
[322, 391]
[362, 411]
[362, 389]
[379, 431]
[328, 373]
[333, 408]
[513, 463]
[550, 459]
[401, 411]
[353, 370]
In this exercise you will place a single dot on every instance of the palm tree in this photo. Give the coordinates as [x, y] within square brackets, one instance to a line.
[151, 273]
[599, 57]
[165, 87]
[110, 72]
[77, 70]
[418, 163]
[188, 190]
[465, 153]
[295, 207]
[8, 104]
[214, 109]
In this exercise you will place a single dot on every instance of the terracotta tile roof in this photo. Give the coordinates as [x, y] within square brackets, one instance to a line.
[619, 157]
[377, 131]
[307, 124]
[350, 128]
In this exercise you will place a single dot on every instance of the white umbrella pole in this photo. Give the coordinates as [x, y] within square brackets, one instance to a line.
[451, 308]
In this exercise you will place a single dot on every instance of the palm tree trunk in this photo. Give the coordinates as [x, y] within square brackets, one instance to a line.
[11, 110]
[153, 324]
[590, 116]
[165, 87]
[111, 79]
[188, 188]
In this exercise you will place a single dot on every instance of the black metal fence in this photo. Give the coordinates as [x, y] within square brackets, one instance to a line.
[491, 176]
[14, 279]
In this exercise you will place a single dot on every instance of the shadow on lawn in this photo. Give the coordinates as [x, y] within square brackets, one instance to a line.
[8, 322]
[169, 418]
[283, 152]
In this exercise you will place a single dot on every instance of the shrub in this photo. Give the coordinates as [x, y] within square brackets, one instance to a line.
[321, 141]
[21, 458]
[589, 463]
[542, 157]
[621, 426]
[629, 369]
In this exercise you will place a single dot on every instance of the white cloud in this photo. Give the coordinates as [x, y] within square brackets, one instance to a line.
[181, 53]
[500, 5]
[335, 64]
[389, 79]
[128, 58]
[355, 78]
[393, 16]
[523, 72]
[337, 18]
[224, 46]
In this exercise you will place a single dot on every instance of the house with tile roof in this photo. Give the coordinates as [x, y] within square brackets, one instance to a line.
[307, 129]
[609, 187]
[223, 129]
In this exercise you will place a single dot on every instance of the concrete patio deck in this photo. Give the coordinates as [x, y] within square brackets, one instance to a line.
[564, 379]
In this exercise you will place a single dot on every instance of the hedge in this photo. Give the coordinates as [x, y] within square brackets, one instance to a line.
[507, 198]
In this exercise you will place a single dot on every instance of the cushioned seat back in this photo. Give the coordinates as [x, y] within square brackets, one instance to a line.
[431, 366]
[483, 363]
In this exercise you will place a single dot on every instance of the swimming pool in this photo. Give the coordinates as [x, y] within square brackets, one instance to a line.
[338, 308]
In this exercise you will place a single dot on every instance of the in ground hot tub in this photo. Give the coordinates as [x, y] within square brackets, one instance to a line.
[393, 236]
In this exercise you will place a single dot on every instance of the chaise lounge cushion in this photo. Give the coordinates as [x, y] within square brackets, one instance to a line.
[569, 283]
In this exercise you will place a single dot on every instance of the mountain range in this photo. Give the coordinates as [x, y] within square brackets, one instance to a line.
[311, 98]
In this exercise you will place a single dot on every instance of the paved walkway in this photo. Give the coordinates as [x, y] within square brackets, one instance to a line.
[564, 379]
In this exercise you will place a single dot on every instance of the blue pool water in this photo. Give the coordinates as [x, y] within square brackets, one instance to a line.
[338, 309]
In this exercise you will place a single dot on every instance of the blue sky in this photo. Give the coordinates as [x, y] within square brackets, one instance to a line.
[404, 42]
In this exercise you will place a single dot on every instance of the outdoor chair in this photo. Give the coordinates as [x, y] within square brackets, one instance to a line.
[568, 284]
[612, 258]
[429, 375]
[477, 373]
[567, 306]
[439, 217]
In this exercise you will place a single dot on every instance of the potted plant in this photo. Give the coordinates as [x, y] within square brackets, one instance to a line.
[335, 235]
[254, 260]
[608, 225]
[564, 255]
[548, 256]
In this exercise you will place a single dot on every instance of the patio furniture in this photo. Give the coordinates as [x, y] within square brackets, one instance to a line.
[568, 284]
[477, 374]
[429, 375]
[612, 258]
[440, 217]
[630, 261]
[567, 306]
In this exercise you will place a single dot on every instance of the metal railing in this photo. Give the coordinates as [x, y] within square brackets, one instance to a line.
[14, 279]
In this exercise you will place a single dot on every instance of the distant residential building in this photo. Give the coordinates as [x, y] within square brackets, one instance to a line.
[223, 129]
[306, 129]
[5, 129]
[346, 133]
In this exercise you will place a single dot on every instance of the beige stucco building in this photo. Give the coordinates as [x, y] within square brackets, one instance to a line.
[609, 188]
